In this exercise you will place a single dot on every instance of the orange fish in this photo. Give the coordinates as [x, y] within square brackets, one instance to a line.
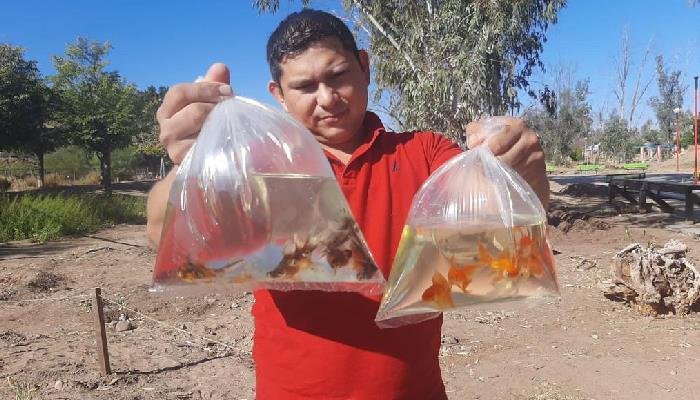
[439, 292]
[529, 256]
[484, 255]
[461, 276]
[504, 263]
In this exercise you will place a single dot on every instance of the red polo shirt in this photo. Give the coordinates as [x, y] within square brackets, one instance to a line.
[312, 344]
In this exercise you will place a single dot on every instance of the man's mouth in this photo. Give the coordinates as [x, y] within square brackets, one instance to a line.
[333, 117]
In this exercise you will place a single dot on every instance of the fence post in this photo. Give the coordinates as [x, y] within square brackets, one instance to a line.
[102, 352]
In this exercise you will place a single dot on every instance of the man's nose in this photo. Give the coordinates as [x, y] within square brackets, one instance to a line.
[327, 96]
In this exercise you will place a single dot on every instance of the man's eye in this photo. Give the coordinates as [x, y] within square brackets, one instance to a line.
[307, 87]
[338, 74]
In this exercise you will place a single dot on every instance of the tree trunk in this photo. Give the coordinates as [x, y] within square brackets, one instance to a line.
[40, 158]
[656, 281]
[106, 170]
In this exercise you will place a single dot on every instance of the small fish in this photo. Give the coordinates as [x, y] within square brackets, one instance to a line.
[504, 263]
[439, 292]
[484, 255]
[529, 256]
[192, 271]
[461, 276]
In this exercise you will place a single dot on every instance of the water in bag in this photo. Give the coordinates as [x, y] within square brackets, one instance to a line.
[476, 233]
[256, 205]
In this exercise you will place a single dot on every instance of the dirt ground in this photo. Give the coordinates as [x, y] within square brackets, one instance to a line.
[582, 346]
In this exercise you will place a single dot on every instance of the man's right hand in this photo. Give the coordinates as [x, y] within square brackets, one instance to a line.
[186, 106]
[180, 117]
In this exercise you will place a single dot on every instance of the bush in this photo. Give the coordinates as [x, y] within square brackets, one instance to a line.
[46, 217]
[576, 155]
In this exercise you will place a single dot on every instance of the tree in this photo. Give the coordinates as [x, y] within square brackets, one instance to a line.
[146, 142]
[670, 97]
[617, 140]
[441, 64]
[571, 119]
[622, 85]
[98, 107]
[649, 134]
[26, 107]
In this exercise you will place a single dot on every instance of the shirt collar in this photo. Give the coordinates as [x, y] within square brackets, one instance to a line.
[372, 127]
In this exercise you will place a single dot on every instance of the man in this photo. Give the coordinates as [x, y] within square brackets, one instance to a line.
[322, 345]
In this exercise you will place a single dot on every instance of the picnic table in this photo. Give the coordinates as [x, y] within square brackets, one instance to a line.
[636, 191]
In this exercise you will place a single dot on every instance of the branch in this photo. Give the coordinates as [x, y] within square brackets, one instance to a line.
[384, 33]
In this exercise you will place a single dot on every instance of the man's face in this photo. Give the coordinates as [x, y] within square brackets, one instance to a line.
[325, 88]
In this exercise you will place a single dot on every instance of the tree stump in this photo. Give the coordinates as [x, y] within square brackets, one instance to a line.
[656, 281]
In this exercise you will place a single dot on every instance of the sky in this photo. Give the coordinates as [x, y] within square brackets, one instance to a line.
[162, 43]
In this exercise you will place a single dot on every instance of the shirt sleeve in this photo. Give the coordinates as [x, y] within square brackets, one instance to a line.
[439, 149]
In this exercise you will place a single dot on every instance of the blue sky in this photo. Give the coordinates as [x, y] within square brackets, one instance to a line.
[166, 42]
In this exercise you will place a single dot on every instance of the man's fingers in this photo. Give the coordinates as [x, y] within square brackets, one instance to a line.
[513, 149]
[178, 150]
[185, 124]
[184, 94]
[218, 72]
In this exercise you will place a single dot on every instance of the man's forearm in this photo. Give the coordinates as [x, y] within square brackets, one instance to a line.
[156, 206]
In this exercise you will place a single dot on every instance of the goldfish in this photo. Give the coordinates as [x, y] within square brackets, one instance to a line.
[461, 276]
[193, 271]
[439, 292]
[504, 263]
[529, 256]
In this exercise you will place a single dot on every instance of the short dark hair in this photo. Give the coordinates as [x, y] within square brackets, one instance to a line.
[299, 31]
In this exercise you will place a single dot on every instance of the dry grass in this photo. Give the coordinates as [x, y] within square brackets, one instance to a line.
[50, 181]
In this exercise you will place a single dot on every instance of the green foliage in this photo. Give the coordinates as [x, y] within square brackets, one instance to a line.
[571, 120]
[670, 97]
[71, 159]
[650, 134]
[576, 155]
[617, 140]
[98, 107]
[26, 107]
[46, 217]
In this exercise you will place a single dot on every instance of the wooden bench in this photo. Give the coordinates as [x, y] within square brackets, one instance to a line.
[635, 166]
[589, 167]
[636, 191]
[549, 169]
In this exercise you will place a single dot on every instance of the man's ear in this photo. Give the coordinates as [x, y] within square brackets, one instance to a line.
[276, 91]
[363, 57]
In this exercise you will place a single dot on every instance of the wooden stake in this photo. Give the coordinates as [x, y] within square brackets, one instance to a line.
[102, 352]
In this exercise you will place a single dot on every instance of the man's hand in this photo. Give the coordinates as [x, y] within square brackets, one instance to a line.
[180, 117]
[519, 147]
[186, 106]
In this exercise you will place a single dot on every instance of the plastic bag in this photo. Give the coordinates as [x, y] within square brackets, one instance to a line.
[476, 233]
[255, 204]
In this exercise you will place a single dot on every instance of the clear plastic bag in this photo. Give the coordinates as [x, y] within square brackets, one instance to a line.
[476, 233]
[255, 204]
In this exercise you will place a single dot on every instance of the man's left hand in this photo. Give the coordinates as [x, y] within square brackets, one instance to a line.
[518, 146]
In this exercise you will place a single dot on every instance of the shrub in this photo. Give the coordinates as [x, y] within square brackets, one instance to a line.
[46, 217]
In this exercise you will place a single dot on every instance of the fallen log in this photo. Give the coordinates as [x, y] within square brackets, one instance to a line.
[656, 281]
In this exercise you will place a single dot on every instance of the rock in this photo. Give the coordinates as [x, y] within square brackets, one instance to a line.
[235, 305]
[449, 340]
[112, 324]
[58, 385]
[211, 300]
[123, 326]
